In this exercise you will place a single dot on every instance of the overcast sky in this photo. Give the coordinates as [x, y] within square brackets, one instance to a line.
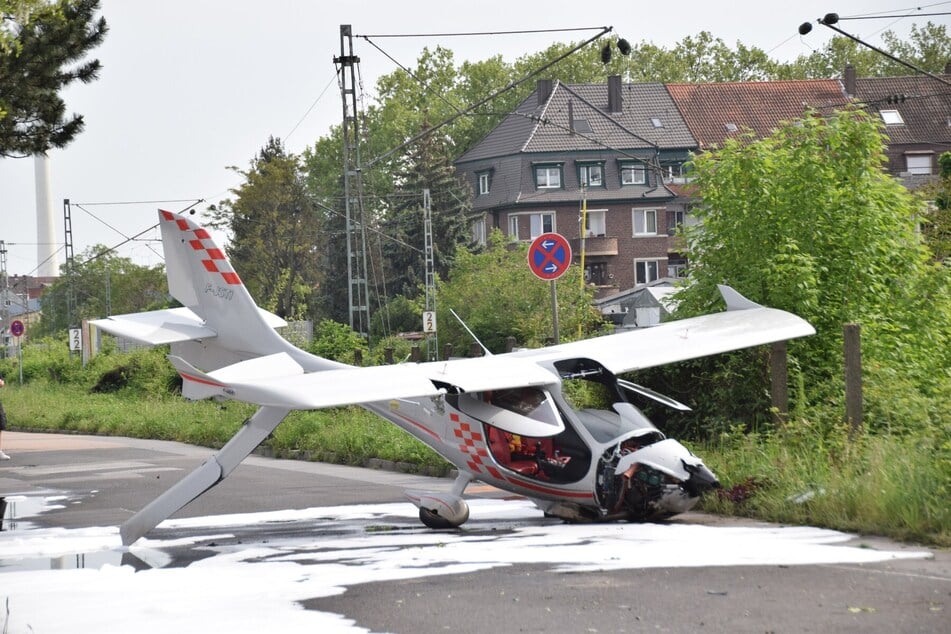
[189, 87]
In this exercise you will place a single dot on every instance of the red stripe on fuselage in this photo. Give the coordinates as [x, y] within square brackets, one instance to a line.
[420, 426]
[546, 490]
[198, 379]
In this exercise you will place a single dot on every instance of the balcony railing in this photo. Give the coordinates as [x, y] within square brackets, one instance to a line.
[595, 245]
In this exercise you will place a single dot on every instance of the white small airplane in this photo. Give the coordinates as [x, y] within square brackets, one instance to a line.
[505, 420]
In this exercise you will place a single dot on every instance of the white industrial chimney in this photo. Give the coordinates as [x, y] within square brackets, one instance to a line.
[47, 260]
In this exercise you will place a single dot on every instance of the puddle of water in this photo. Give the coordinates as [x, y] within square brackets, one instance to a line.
[15, 509]
[16, 512]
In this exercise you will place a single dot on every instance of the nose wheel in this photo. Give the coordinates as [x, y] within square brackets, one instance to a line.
[432, 519]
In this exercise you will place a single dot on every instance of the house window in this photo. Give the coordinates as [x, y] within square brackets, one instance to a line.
[596, 273]
[645, 222]
[582, 126]
[676, 267]
[483, 183]
[646, 271]
[633, 174]
[548, 176]
[542, 223]
[595, 222]
[591, 175]
[918, 163]
[538, 224]
[891, 117]
[675, 220]
[478, 231]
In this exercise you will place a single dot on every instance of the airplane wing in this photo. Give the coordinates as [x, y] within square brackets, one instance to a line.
[743, 325]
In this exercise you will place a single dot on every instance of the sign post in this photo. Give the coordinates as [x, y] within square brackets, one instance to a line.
[17, 329]
[549, 257]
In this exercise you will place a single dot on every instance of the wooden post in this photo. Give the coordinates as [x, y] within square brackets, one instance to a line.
[779, 380]
[852, 339]
[475, 350]
[447, 351]
[388, 355]
[414, 353]
[510, 343]
[357, 356]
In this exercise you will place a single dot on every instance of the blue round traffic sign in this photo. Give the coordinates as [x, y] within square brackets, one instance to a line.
[16, 328]
[549, 256]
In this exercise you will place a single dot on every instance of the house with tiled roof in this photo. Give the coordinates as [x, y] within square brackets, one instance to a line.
[916, 110]
[717, 112]
[618, 150]
[610, 150]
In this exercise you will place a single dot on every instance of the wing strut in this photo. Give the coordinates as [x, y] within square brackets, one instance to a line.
[210, 473]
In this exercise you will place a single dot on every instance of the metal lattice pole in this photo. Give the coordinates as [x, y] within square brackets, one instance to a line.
[357, 288]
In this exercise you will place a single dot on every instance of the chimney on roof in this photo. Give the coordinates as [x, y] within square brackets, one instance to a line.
[614, 93]
[571, 117]
[543, 87]
[848, 79]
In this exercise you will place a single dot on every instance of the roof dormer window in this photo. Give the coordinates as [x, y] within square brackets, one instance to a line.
[891, 117]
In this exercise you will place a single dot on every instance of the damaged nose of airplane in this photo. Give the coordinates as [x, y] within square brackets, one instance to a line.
[701, 479]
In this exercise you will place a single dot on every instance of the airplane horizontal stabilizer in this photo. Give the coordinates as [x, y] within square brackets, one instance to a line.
[170, 325]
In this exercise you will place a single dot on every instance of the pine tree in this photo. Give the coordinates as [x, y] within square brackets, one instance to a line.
[427, 165]
[39, 57]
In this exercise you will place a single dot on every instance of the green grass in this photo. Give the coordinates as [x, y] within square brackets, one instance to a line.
[891, 485]
[347, 436]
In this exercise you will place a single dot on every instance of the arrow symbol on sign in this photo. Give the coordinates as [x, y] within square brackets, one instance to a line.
[548, 244]
[551, 268]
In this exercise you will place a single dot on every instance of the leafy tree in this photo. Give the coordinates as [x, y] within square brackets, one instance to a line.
[937, 220]
[400, 314]
[103, 284]
[41, 46]
[274, 225]
[336, 341]
[928, 47]
[498, 296]
[832, 240]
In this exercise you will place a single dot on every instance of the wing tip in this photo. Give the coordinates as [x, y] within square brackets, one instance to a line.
[734, 300]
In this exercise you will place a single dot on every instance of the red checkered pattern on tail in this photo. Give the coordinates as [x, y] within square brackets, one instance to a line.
[212, 258]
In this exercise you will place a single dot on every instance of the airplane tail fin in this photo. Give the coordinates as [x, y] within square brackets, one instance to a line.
[203, 280]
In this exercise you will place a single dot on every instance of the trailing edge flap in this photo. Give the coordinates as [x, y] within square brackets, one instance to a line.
[170, 325]
[489, 373]
[273, 381]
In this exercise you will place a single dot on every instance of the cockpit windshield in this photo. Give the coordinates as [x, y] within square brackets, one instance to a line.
[624, 420]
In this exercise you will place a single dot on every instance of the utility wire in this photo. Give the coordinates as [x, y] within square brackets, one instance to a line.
[481, 102]
[464, 34]
[825, 23]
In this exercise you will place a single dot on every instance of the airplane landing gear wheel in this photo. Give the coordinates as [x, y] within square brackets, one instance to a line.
[434, 520]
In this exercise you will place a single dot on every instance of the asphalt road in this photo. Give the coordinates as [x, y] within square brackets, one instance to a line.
[107, 479]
